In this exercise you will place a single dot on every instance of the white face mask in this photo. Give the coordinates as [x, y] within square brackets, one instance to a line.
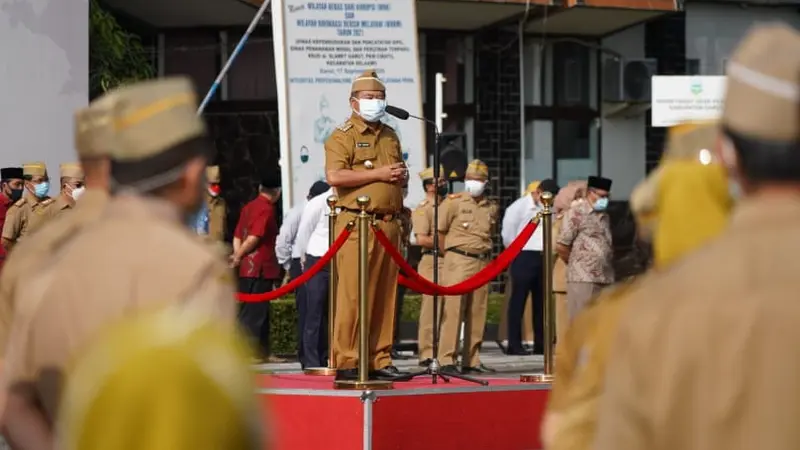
[371, 109]
[474, 187]
[77, 192]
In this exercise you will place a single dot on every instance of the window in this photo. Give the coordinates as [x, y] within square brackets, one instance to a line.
[571, 74]
[252, 77]
[195, 54]
[572, 140]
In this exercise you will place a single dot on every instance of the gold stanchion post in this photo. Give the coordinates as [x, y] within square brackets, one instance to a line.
[331, 369]
[363, 382]
[549, 300]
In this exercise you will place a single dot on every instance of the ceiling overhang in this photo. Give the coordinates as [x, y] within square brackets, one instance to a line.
[589, 21]
[187, 13]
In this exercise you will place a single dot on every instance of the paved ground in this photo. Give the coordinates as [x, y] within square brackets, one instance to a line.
[491, 356]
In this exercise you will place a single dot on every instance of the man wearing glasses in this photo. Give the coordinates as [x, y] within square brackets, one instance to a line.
[585, 244]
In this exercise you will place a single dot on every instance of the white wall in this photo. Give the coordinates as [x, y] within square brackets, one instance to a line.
[44, 72]
[622, 145]
[714, 30]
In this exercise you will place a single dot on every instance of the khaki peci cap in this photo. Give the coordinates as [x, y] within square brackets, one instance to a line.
[368, 81]
[427, 174]
[93, 130]
[71, 170]
[478, 168]
[156, 130]
[34, 169]
[212, 174]
[763, 98]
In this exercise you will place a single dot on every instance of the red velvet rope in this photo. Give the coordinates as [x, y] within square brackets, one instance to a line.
[297, 282]
[413, 280]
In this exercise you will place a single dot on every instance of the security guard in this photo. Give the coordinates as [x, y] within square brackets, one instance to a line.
[423, 229]
[363, 157]
[72, 187]
[681, 178]
[217, 211]
[29, 212]
[139, 255]
[92, 141]
[722, 324]
[467, 224]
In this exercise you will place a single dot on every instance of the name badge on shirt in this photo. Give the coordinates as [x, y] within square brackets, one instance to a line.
[362, 144]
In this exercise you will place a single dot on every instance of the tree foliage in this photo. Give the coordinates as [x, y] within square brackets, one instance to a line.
[116, 56]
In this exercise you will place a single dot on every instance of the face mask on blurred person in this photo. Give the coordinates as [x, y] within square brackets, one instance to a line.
[475, 187]
[213, 190]
[77, 192]
[42, 189]
[601, 204]
[442, 190]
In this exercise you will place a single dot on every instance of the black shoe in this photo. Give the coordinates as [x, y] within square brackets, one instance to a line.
[480, 369]
[502, 347]
[519, 351]
[346, 374]
[388, 373]
[450, 368]
[426, 362]
[396, 355]
[538, 350]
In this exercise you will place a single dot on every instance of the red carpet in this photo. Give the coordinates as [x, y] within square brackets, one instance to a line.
[305, 413]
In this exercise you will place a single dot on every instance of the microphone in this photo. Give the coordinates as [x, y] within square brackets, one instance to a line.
[400, 113]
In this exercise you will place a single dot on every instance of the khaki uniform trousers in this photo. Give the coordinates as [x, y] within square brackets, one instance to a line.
[527, 316]
[562, 316]
[381, 292]
[458, 268]
[425, 333]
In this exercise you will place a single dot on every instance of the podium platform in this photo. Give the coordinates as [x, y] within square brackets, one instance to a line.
[306, 412]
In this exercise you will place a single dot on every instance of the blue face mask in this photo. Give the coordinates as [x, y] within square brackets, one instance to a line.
[42, 189]
[601, 204]
[371, 109]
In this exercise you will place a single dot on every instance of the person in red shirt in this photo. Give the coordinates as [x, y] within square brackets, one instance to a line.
[254, 255]
[11, 185]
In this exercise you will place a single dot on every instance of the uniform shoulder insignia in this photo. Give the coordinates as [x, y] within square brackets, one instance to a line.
[453, 196]
[47, 202]
[423, 203]
[20, 202]
[345, 126]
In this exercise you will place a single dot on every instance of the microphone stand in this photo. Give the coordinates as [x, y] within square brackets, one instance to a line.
[434, 369]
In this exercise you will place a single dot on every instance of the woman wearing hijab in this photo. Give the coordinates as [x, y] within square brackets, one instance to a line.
[166, 381]
[686, 176]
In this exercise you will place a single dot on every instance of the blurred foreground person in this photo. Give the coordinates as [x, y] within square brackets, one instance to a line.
[165, 381]
[140, 252]
[686, 175]
[705, 356]
[92, 133]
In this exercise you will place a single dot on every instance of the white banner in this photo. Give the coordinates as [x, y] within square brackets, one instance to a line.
[679, 99]
[320, 47]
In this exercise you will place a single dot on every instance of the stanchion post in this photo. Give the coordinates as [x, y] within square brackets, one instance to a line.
[332, 280]
[549, 303]
[363, 382]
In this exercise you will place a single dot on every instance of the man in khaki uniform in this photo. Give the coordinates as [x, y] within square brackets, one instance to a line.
[685, 175]
[138, 255]
[705, 357]
[467, 223]
[363, 157]
[28, 213]
[216, 206]
[423, 229]
[72, 187]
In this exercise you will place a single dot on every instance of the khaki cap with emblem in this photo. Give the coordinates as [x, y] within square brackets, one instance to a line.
[478, 168]
[212, 174]
[427, 174]
[762, 95]
[93, 129]
[156, 131]
[368, 81]
[71, 170]
[34, 169]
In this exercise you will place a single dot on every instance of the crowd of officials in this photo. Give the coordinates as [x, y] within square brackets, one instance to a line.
[110, 280]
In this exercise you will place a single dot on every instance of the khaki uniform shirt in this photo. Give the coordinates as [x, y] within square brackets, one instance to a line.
[706, 356]
[216, 218]
[355, 146]
[25, 216]
[136, 256]
[31, 254]
[60, 206]
[422, 225]
[581, 361]
[468, 224]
